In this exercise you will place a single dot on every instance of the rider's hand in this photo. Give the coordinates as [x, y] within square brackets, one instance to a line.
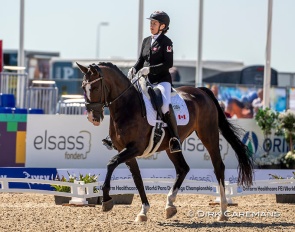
[144, 71]
[131, 73]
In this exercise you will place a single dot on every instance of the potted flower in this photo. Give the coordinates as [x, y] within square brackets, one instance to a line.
[59, 200]
[284, 198]
[267, 120]
[288, 160]
[270, 161]
[287, 127]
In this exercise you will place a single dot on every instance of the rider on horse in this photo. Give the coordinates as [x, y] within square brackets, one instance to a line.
[155, 60]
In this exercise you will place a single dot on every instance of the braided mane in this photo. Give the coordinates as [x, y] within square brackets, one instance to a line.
[112, 66]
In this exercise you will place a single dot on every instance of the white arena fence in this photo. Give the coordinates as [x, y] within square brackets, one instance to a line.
[81, 191]
[16, 84]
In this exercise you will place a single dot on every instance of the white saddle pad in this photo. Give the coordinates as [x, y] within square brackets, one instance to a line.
[178, 103]
[179, 106]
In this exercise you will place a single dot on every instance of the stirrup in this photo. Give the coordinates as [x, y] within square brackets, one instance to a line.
[174, 145]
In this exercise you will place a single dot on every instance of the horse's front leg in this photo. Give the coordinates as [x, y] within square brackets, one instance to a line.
[182, 169]
[125, 155]
[134, 169]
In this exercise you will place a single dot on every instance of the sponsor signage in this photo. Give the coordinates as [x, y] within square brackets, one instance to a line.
[200, 181]
[29, 173]
[65, 141]
[70, 141]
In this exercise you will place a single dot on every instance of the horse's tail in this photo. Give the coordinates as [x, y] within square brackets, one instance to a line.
[232, 134]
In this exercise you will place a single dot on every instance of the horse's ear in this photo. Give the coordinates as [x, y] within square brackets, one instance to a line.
[82, 68]
[93, 69]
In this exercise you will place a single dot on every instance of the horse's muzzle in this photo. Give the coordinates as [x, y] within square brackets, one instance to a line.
[92, 119]
[95, 113]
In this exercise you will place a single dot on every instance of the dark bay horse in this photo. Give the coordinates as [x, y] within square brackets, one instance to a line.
[105, 85]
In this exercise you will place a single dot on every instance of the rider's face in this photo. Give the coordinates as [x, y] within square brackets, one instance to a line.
[155, 26]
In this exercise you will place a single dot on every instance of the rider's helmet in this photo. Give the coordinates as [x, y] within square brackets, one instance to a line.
[162, 18]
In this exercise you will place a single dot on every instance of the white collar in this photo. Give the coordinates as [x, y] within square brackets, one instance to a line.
[155, 36]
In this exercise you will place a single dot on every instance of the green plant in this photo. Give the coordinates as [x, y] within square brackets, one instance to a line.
[86, 178]
[280, 178]
[267, 120]
[287, 126]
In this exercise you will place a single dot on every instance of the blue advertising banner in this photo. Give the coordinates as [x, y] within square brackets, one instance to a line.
[29, 173]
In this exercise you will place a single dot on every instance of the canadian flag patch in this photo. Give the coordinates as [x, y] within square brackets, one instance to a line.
[169, 48]
[181, 116]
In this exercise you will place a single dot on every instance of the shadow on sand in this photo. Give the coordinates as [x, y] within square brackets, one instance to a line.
[237, 225]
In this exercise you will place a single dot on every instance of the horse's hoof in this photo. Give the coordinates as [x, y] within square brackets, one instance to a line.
[170, 212]
[222, 218]
[108, 205]
[141, 218]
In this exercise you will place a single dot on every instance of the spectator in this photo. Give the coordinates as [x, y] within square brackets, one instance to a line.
[214, 89]
[258, 102]
[222, 105]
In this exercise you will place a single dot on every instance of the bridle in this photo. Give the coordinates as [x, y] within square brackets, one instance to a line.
[99, 106]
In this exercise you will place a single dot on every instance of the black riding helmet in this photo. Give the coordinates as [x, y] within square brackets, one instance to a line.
[162, 18]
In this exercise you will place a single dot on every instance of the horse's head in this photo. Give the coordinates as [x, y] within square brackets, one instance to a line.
[95, 92]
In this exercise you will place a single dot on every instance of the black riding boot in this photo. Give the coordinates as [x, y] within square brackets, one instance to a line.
[174, 142]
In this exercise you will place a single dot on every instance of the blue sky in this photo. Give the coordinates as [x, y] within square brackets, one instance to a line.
[233, 30]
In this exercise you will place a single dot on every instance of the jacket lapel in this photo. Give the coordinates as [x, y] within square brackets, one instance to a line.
[158, 41]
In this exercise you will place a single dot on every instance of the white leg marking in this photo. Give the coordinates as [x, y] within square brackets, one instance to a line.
[223, 202]
[144, 209]
[141, 217]
[171, 197]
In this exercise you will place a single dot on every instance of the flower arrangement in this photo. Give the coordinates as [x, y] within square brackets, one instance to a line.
[269, 160]
[280, 178]
[267, 120]
[283, 124]
[287, 125]
[86, 178]
[284, 198]
[287, 128]
[289, 159]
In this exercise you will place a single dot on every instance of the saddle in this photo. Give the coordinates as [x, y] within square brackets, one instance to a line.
[153, 101]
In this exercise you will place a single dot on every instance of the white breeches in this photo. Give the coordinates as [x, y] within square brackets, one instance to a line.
[165, 88]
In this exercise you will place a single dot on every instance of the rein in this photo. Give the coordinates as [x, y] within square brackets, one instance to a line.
[104, 87]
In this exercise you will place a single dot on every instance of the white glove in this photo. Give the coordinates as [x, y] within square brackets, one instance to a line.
[131, 73]
[144, 71]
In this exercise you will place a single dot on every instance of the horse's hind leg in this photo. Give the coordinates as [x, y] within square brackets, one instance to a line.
[134, 169]
[182, 169]
[211, 142]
